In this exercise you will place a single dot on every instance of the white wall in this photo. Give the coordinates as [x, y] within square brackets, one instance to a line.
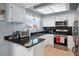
[5, 29]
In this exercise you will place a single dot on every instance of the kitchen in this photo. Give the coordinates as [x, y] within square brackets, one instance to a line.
[39, 29]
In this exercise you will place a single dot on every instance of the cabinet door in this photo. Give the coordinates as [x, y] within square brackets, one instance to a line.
[49, 39]
[70, 42]
[8, 12]
[38, 50]
[70, 19]
[14, 13]
[4, 48]
[48, 22]
[46, 39]
[18, 50]
[17, 14]
[15, 50]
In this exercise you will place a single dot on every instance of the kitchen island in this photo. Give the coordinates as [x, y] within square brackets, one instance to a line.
[33, 48]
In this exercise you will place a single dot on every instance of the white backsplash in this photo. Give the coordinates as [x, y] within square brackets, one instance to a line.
[19, 27]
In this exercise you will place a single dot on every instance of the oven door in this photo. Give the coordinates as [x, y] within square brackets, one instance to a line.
[60, 42]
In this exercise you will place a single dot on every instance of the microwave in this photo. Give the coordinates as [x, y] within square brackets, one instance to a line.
[61, 23]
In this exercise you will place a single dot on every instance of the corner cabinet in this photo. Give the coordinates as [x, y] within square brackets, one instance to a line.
[14, 13]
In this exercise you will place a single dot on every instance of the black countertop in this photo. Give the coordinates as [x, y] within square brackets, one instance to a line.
[30, 44]
[39, 40]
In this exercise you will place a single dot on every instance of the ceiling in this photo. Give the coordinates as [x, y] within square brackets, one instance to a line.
[47, 8]
[53, 8]
[26, 5]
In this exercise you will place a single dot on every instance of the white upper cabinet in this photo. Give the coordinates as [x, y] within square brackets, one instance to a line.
[71, 18]
[48, 22]
[15, 13]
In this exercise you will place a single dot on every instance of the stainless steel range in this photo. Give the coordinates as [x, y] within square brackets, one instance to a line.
[61, 32]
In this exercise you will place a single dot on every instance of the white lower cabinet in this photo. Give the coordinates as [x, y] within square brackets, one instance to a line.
[4, 48]
[70, 42]
[38, 50]
[18, 50]
[49, 39]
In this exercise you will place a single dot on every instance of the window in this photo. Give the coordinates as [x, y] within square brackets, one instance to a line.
[33, 21]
